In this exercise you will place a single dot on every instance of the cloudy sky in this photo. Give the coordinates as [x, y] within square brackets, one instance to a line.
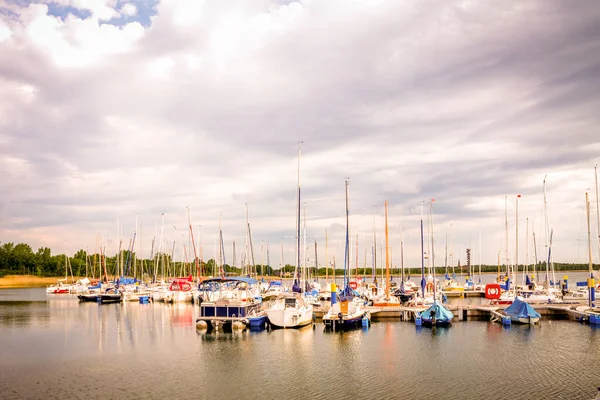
[112, 110]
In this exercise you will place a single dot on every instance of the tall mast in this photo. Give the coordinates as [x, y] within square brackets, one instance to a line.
[591, 289]
[298, 218]
[516, 270]
[347, 247]
[422, 256]
[356, 258]
[387, 255]
[402, 257]
[432, 244]
[597, 207]
[525, 268]
[480, 254]
[506, 232]
[326, 258]
[374, 249]
[546, 232]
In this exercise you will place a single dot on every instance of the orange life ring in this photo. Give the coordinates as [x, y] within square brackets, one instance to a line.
[353, 285]
[429, 286]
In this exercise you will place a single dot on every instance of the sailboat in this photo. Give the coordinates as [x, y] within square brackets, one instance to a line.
[387, 299]
[61, 287]
[290, 310]
[346, 313]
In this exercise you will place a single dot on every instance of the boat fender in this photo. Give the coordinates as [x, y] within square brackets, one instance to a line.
[340, 316]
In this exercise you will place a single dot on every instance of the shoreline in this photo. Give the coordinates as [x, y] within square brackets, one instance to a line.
[26, 281]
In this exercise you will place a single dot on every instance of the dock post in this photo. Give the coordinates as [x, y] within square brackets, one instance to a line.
[418, 320]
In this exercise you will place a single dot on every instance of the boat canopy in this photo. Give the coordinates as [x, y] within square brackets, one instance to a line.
[249, 281]
[441, 312]
[521, 309]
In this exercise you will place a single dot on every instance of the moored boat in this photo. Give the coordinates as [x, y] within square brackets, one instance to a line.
[437, 315]
[521, 312]
[111, 295]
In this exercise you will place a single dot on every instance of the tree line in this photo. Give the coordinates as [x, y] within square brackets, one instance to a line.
[20, 259]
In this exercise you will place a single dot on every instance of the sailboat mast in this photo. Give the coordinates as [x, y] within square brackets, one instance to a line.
[479, 254]
[526, 267]
[516, 270]
[347, 247]
[326, 259]
[374, 249]
[432, 244]
[356, 258]
[402, 257]
[422, 256]
[298, 220]
[591, 289]
[597, 207]
[506, 233]
[387, 255]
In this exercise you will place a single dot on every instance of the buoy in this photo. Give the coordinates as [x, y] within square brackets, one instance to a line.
[418, 320]
[201, 325]
[365, 321]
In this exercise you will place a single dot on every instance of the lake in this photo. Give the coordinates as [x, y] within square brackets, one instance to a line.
[58, 348]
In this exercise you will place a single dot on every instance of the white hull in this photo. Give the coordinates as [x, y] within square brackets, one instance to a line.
[530, 321]
[178, 297]
[290, 317]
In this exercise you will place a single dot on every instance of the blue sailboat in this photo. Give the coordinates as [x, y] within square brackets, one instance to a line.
[346, 313]
[522, 312]
[437, 315]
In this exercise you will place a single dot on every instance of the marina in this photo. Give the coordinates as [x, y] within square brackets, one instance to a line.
[155, 350]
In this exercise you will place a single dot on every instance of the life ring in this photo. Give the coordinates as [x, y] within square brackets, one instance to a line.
[353, 285]
[429, 287]
[492, 291]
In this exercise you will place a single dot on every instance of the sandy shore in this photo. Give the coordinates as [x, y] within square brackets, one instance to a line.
[18, 281]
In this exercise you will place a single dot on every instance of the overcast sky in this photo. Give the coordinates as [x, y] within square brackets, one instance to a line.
[112, 110]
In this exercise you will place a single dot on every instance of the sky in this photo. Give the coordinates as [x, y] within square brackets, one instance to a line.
[113, 112]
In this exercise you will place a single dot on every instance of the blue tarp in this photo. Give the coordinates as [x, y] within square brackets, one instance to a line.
[442, 314]
[249, 281]
[520, 309]
[126, 281]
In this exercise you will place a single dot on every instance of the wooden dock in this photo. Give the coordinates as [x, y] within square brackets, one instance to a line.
[471, 312]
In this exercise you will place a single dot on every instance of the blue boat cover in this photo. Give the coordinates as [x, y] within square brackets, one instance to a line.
[441, 312]
[249, 281]
[520, 309]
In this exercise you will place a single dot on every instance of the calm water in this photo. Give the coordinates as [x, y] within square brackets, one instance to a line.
[58, 348]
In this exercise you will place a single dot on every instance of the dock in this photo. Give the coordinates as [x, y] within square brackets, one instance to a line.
[473, 312]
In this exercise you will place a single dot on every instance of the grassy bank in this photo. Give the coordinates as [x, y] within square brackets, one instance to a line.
[19, 281]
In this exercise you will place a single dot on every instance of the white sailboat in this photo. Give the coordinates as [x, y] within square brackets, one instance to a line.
[290, 310]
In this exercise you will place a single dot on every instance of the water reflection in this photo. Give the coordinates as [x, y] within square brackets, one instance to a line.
[387, 360]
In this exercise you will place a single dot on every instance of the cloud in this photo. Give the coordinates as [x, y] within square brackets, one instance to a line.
[133, 111]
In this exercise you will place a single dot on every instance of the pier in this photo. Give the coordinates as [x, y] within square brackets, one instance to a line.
[473, 312]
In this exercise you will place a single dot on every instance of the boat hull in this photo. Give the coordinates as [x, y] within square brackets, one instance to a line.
[88, 298]
[346, 322]
[290, 318]
[111, 298]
